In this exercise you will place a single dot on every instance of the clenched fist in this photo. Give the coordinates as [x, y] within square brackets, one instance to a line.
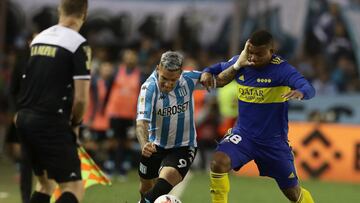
[148, 149]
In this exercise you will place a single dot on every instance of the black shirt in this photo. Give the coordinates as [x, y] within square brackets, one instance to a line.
[58, 56]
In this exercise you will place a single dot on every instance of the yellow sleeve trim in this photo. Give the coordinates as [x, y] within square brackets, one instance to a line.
[277, 60]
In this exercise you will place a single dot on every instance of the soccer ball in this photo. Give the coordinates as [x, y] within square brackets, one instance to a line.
[167, 199]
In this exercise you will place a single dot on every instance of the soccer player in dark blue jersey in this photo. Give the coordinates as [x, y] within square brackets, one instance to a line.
[265, 84]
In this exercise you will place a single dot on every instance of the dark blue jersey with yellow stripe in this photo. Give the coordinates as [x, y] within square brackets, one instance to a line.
[263, 112]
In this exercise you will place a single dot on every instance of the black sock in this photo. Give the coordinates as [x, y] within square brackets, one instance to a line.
[25, 180]
[67, 197]
[161, 187]
[38, 197]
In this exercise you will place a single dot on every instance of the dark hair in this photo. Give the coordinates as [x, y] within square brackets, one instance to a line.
[260, 38]
[74, 7]
[171, 61]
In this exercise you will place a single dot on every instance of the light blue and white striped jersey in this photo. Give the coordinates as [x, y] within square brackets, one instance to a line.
[171, 115]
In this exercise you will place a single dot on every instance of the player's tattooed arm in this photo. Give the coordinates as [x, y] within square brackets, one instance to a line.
[225, 77]
[142, 133]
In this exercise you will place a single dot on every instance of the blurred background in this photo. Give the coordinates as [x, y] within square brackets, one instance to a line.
[319, 37]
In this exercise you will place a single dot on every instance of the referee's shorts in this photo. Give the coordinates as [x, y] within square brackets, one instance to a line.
[50, 144]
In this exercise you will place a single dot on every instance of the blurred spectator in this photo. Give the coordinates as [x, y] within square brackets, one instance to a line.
[207, 122]
[345, 75]
[322, 82]
[340, 44]
[96, 120]
[121, 108]
[228, 105]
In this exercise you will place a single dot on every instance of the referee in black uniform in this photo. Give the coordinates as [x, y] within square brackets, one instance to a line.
[54, 92]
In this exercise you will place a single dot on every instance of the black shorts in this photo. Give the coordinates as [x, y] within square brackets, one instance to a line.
[180, 158]
[120, 127]
[50, 145]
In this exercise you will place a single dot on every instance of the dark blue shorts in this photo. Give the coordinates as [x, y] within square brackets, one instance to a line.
[275, 160]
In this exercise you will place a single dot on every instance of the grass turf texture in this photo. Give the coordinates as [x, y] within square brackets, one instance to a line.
[243, 189]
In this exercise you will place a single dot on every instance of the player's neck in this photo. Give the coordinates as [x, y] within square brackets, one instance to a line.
[71, 22]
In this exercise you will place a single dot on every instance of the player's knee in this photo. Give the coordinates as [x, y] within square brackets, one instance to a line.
[171, 174]
[293, 193]
[46, 186]
[145, 186]
[220, 163]
[74, 187]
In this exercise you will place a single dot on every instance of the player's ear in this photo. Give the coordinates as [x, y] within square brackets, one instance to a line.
[272, 51]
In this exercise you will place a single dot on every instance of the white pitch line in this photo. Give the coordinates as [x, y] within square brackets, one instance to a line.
[178, 190]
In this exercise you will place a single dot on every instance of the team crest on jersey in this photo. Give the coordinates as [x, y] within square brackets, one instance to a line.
[142, 100]
[242, 78]
[182, 91]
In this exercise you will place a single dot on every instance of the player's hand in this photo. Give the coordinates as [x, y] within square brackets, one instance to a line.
[293, 94]
[148, 149]
[243, 59]
[207, 80]
[76, 131]
[15, 119]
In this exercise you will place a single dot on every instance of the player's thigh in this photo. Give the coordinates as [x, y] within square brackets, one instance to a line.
[146, 184]
[171, 175]
[283, 171]
[180, 159]
[60, 157]
[149, 166]
[277, 161]
[238, 148]
[56, 153]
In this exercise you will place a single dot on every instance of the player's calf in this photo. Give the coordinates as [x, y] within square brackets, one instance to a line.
[298, 194]
[219, 180]
[168, 178]
[292, 193]
[145, 186]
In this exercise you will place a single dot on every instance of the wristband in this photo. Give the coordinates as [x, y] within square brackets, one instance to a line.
[214, 79]
[236, 66]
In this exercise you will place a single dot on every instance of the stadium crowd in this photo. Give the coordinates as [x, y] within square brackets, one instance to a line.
[119, 67]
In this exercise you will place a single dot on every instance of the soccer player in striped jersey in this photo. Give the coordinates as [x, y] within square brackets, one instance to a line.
[265, 84]
[165, 126]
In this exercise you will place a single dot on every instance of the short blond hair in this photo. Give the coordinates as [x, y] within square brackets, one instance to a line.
[73, 7]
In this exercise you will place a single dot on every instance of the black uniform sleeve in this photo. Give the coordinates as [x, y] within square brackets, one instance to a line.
[82, 62]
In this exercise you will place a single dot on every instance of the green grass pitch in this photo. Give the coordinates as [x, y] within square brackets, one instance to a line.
[243, 190]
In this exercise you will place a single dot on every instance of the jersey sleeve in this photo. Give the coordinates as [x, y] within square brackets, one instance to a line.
[82, 62]
[146, 102]
[217, 68]
[193, 75]
[295, 80]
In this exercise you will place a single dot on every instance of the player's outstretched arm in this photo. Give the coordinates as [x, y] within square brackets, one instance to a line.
[142, 133]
